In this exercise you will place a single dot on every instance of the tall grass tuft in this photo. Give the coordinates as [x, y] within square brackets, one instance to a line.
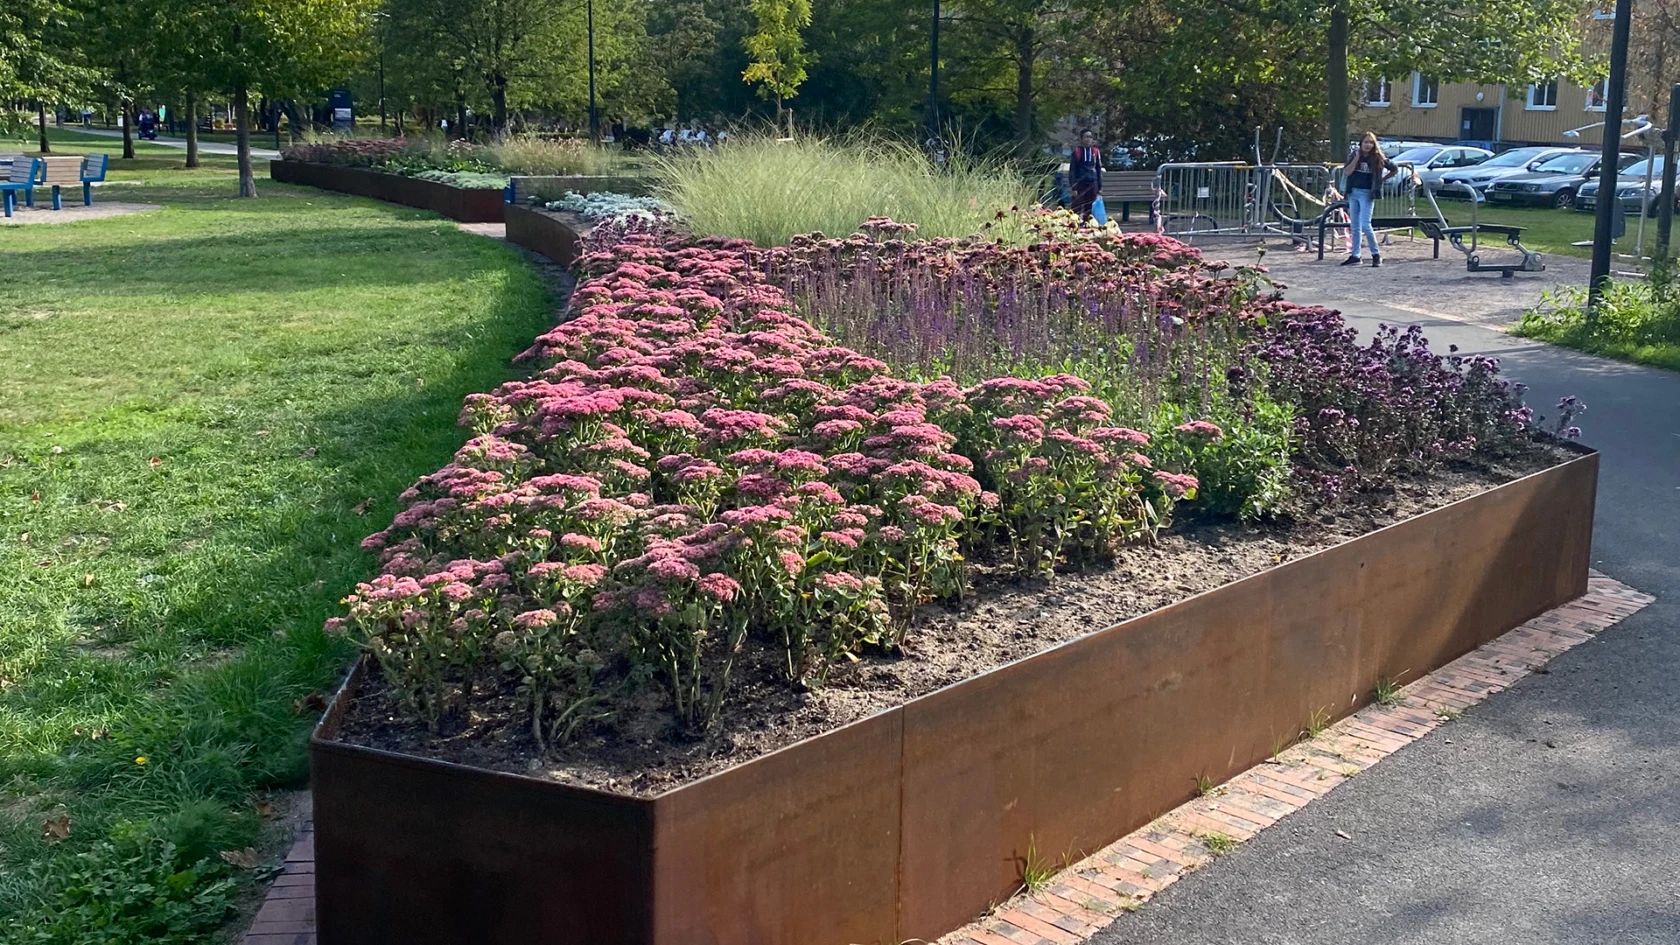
[546, 156]
[768, 190]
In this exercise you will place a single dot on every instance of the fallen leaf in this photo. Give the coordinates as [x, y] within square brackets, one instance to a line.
[35, 496]
[245, 859]
[56, 828]
[57, 450]
[361, 508]
[24, 538]
[265, 810]
[309, 452]
[314, 702]
[87, 580]
[154, 462]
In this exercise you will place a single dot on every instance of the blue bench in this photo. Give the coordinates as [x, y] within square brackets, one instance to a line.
[61, 172]
[93, 172]
[26, 174]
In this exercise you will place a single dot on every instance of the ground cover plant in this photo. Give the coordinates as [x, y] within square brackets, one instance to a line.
[1638, 321]
[202, 408]
[768, 189]
[696, 478]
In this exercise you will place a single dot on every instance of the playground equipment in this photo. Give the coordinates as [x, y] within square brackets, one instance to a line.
[1231, 199]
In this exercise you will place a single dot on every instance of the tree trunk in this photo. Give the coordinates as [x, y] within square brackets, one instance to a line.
[1337, 77]
[242, 122]
[41, 112]
[498, 103]
[461, 117]
[192, 131]
[1025, 58]
[128, 129]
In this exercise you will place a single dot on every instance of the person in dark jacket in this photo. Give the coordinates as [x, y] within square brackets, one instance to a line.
[1085, 174]
[1367, 169]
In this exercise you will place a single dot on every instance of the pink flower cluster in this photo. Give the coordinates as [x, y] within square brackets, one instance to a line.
[693, 470]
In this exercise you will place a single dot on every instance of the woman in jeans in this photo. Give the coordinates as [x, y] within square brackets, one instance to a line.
[1367, 170]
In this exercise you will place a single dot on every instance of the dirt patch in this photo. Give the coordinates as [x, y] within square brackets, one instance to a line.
[638, 752]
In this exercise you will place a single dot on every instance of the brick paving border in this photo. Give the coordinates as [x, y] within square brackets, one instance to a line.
[1082, 899]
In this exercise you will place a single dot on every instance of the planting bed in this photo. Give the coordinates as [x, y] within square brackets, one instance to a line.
[457, 203]
[719, 631]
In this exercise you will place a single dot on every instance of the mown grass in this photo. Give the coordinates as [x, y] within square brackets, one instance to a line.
[203, 409]
[152, 163]
[767, 190]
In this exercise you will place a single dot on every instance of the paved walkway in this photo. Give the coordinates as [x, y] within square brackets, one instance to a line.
[1552, 816]
[1087, 898]
[204, 147]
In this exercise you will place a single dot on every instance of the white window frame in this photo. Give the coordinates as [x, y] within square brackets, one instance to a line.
[1536, 103]
[1386, 90]
[1602, 87]
[1418, 87]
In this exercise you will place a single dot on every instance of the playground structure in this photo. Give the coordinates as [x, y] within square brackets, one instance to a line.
[1304, 204]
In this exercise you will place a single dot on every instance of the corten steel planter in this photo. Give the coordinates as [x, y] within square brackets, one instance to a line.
[553, 187]
[456, 203]
[911, 822]
[546, 232]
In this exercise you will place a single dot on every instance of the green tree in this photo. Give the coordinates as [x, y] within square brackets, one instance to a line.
[38, 62]
[777, 49]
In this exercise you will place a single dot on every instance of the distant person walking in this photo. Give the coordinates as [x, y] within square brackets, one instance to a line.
[1367, 170]
[1085, 174]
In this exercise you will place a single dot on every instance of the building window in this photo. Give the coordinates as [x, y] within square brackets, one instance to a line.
[1543, 97]
[1379, 93]
[1426, 90]
[1597, 94]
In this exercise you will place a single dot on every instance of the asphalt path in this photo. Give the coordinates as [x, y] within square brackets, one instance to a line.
[1548, 814]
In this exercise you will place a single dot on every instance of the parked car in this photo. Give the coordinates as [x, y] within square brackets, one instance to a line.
[1554, 183]
[1430, 161]
[1513, 163]
[1631, 189]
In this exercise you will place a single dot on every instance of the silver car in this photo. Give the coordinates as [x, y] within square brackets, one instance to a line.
[1429, 162]
[1512, 163]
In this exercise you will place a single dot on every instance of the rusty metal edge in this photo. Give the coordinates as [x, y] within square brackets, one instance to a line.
[460, 204]
[321, 738]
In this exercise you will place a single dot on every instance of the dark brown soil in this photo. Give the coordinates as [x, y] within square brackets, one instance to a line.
[639, 753]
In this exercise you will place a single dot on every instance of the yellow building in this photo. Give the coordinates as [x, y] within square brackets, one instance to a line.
[1419, 107]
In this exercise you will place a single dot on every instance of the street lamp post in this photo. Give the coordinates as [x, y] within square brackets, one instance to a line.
[382, 17]
[1613, 106]
[933, 76]
[594, 115]
[1665, 211]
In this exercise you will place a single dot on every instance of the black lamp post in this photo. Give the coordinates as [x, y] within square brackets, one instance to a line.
[382, 17]
[1607, 197]
[933, 77]
[594, 115]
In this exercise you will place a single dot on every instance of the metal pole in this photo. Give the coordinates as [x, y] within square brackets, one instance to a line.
[1665, 212]
[381, 88]
[1607, 198]
[933, 76]
[1644, 207]
[594, 116]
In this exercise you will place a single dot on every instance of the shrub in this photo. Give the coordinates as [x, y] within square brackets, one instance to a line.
[1639, 319]
[769, 190]
[608, 206]
[468, 180]
[1242, 462]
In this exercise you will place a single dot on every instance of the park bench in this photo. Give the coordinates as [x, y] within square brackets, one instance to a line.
[93, 172]
[57, 173]
[1126, 188]
[24, 175]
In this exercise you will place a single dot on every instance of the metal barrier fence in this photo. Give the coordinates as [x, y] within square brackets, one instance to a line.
[1247, 200]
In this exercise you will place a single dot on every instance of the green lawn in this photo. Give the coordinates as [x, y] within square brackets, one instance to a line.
[203, 409]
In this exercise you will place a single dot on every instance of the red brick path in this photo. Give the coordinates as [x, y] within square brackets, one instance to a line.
[1087, 896]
